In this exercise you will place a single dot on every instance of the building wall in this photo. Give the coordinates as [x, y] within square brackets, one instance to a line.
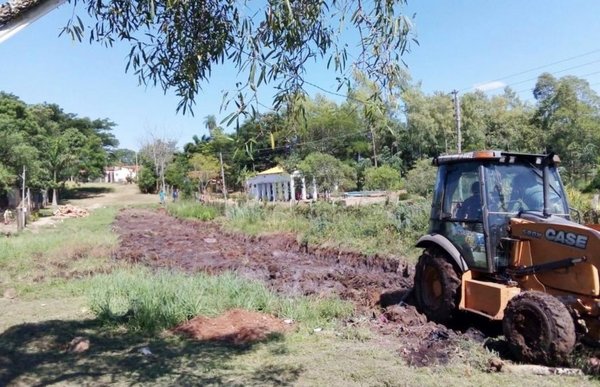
[119, 174]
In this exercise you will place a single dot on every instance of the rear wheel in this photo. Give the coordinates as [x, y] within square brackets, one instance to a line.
[538, 328]
[436, 286]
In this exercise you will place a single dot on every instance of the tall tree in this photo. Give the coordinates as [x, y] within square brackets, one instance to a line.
[60, 156]
[160, 152]
[328, 172]
[568, 114]
[204, 169]
[210, 122]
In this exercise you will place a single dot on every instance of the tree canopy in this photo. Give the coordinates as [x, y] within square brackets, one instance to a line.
[178, 44]
[51, 145]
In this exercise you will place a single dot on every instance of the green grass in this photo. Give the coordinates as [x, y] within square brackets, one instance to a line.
[151, 302]
[372, 229]
[55, 258]
[256, 219]
[186, 209]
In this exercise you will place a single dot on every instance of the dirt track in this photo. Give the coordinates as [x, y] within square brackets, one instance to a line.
[371, 283]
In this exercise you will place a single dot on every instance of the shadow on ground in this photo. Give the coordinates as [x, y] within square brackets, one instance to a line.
[83, 192]
[39, 354]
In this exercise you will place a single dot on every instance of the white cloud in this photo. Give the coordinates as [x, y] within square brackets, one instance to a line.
[488, 86]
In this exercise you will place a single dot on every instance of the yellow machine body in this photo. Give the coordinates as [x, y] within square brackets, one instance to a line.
[534, 244]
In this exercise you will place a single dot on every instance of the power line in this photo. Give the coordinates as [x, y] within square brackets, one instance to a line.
[578, 76]
[560, 71]
[539, 68]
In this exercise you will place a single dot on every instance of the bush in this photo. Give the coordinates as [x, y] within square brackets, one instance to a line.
[594, 185]
[146, 180]
[368, 229]
[420, 180]
[382, 178]
[412, 218]
[578, 200]
[246, 213]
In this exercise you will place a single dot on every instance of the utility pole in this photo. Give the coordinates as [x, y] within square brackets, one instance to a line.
[457, 120]
[21, 210]
[223, 177]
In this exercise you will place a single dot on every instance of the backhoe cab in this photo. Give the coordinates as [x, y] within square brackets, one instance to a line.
[502, 244]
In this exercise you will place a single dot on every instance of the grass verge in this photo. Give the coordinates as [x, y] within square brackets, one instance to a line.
[52, 260]
[151, 302]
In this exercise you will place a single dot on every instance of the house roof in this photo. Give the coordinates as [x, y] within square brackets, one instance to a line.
[273, 171]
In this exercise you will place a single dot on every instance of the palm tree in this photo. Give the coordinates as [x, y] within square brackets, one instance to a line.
[210, 122]
[215, 131]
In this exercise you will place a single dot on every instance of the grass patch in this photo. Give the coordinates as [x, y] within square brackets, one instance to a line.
[35, 263]
[255, 219]
[151, 302]
[377, 228]
[186, 209]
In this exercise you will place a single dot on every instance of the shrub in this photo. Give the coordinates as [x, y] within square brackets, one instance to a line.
[420, 179]
[250, 213]
[382, 178]
[146, 180]
[368, 229]
[412, 218]
[594, 185]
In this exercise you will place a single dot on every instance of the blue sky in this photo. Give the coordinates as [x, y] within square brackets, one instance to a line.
[461, 44]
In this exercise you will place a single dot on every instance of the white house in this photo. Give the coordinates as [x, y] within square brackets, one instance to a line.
[120, 174]
[275, 184]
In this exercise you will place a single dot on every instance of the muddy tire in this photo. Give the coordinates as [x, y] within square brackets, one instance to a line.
[538, 328]
[437, 286]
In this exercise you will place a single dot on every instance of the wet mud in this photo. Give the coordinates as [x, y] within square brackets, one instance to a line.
[379, 287]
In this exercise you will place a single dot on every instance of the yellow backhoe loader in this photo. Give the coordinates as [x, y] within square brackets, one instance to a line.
[502, 244]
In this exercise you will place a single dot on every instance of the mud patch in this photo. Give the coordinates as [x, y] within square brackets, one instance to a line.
[285, 266]
[436, 349]
[237, 326]
[379, 287]
[421, 342]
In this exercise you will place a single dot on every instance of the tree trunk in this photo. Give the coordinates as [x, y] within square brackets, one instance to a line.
[54, 192]
[54, 197]
[374, 148]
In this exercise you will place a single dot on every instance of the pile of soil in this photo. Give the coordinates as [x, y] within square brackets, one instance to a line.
[236, 326]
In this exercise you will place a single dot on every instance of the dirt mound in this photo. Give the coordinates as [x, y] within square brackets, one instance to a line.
[236, 326]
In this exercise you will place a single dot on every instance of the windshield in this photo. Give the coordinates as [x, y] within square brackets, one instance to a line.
[512, 188]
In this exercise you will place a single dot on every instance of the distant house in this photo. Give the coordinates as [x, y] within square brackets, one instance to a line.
[121, 174]
[276, 184]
